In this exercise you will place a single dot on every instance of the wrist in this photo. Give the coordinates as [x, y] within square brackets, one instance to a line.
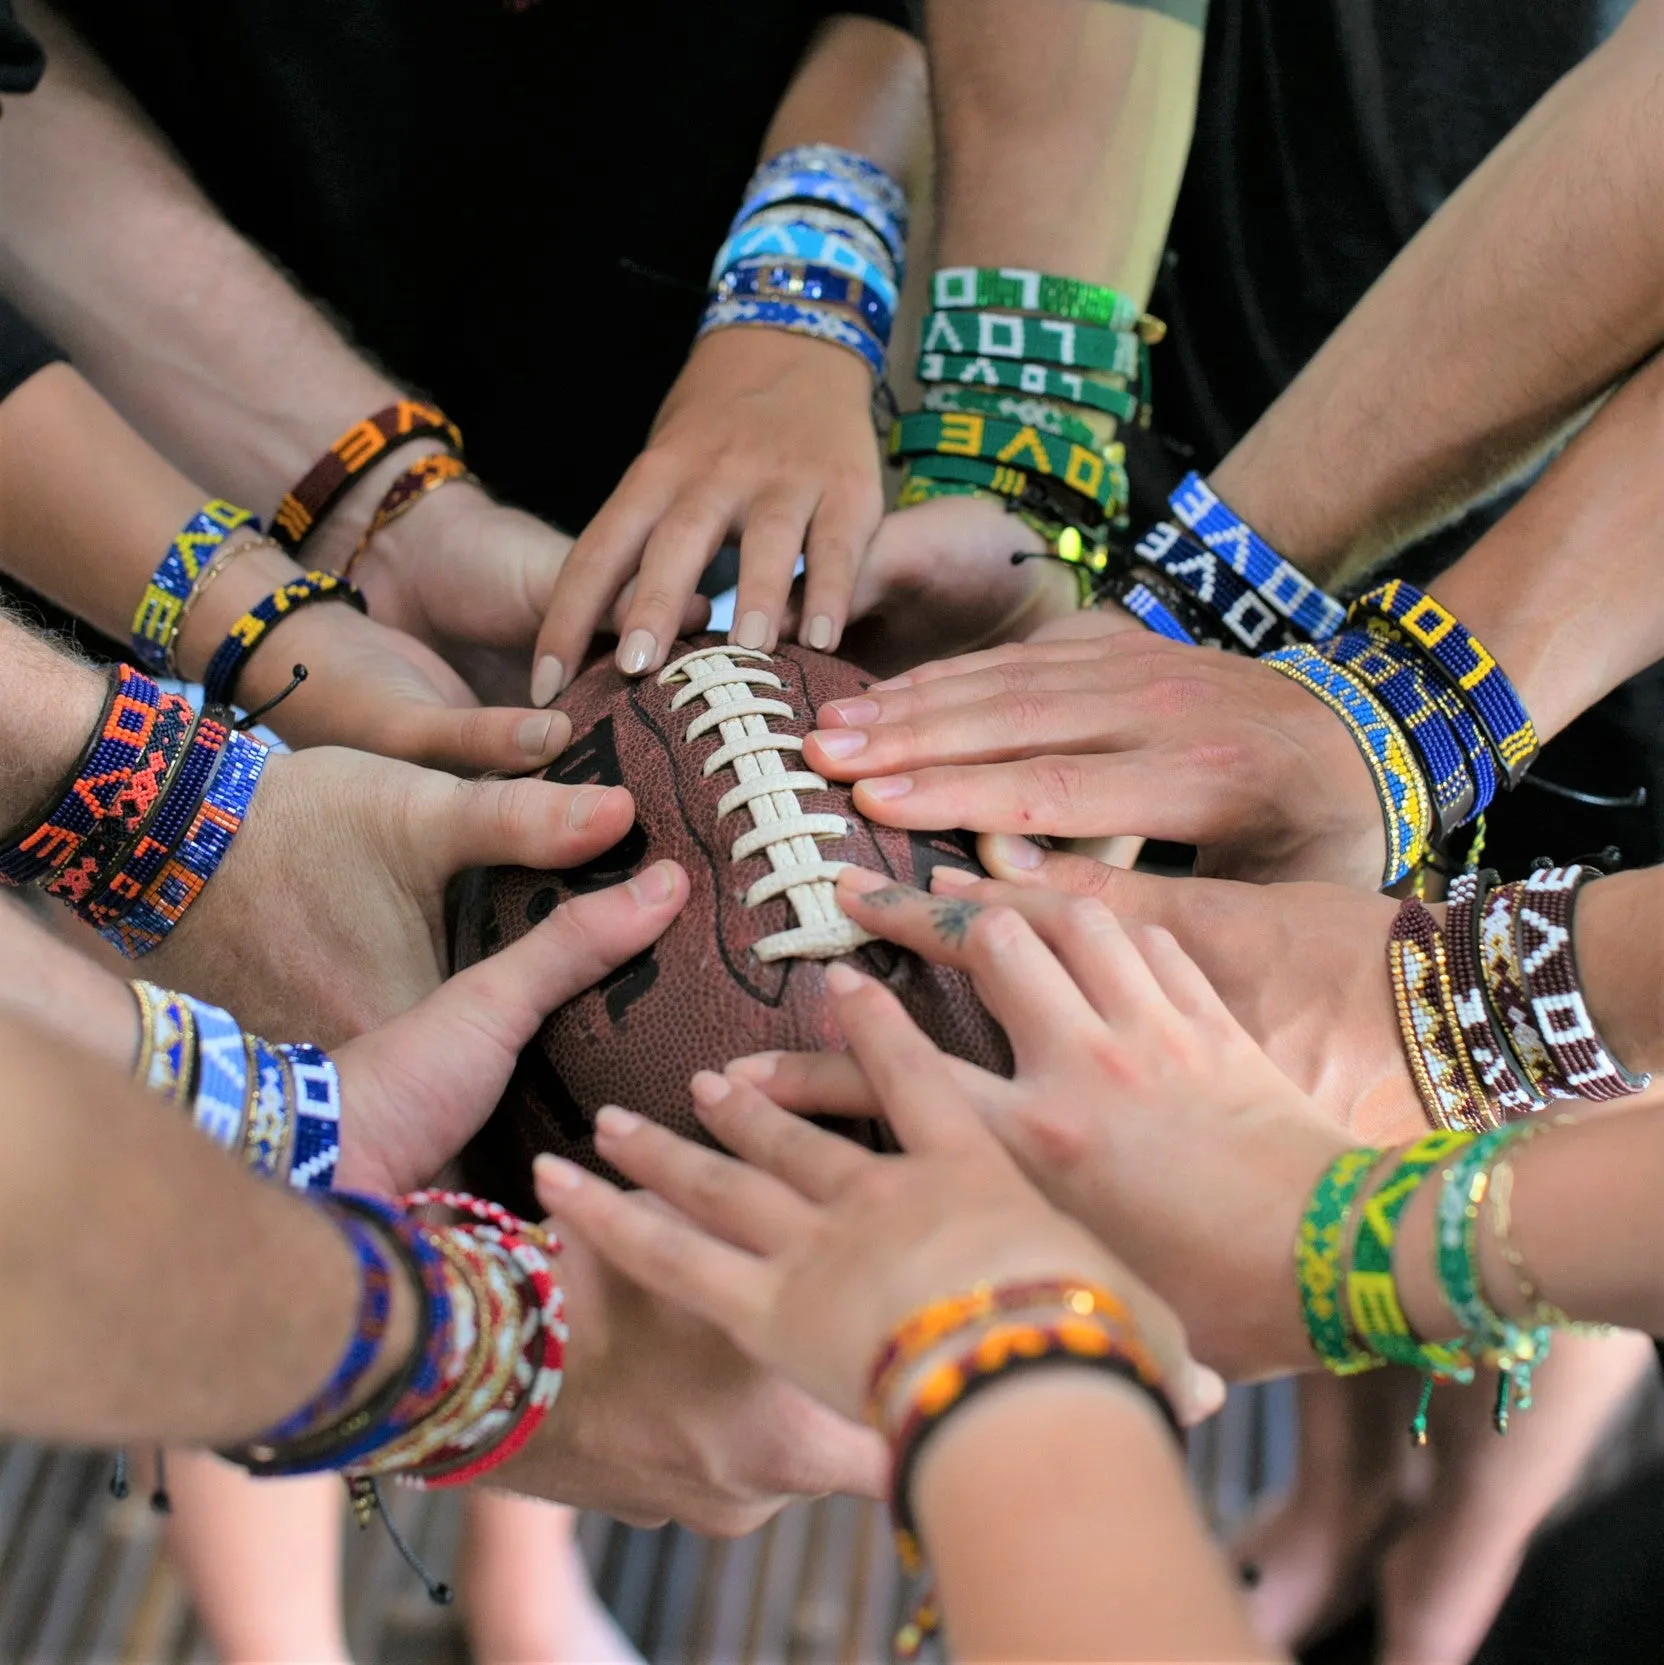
[254, 568]
[52, 705]
[331, 545]
[1618, 960]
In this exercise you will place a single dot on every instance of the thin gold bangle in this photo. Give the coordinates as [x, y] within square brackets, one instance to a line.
[223, 557]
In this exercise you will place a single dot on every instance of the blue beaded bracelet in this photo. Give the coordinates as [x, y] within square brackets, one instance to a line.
[1251, 620]
[837, 163]
[266, 1139]
[1227, 534]
[170, 585]
[1477, 679]
[317, 1117]
[819, 322]
[219, 681]
[797, 280]
[795, 240]
[222, 1075]
[831, 192]
[1153, 613]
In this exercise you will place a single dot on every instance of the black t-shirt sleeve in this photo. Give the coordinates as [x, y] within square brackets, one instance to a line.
[21, 59]
[23, 350]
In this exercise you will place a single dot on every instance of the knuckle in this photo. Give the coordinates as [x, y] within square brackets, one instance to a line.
[1061, 782]
[1020, 716]
[995, 931]
[1084, 918]
[1057, 1137]
[1170, 693]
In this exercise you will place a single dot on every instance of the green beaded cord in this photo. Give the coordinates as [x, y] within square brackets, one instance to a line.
[1319, 1247]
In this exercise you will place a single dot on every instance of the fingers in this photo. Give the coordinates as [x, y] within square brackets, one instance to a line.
[815, 1163]
[678, 549]
[965, 664]
[1181, 979]
[478, 740]
[839, 537]
[520, 823]
[775, 527]
[1031, 996]
[812, 1083]
[664, 1253]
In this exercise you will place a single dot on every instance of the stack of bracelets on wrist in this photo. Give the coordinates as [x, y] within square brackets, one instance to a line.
[1346, 1277]
[817, 249]
[145, 817]
[1490, 1007]
[950, 1351]
[1026, 376]
[277, 1109]
[484, 1365]
[192, 561]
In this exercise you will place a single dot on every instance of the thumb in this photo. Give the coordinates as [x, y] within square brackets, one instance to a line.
[521, 823]
[480, 740]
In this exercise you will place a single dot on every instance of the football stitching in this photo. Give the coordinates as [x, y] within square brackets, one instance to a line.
[767, 790]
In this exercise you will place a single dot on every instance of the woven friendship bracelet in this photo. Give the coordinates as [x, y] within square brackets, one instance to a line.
[851, 197]
[170, 586]
[973, 287]
[1371, 1289]
[823, 324]
[331, 477]
[1406, 804]
[1319, 1257]
[1200, 509]
[1039, 380]
[219, 681]
[167, 1061]
[188, 869]
[1475, 676]
[429, 473]
[1250, 621]
[1049, 418]
[835, 162]
[1009, 335]
[317, 1109]
[1548, 965]
[1097, 477]
[95, 784]
[837, 247]
[129, 873]
[1506, 1081]
[799, 280]
[1445, 1079]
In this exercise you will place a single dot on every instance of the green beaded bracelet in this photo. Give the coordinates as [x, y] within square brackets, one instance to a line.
[1038, 380]
[1088, 470]
[1028, 291]
[1041, 414]
[1009, 335]
[1318, 1250]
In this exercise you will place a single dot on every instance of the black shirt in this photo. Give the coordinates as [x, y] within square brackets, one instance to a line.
[21, 61]
[514, 207]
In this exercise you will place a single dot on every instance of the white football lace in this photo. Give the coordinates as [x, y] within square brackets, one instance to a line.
[768, 791]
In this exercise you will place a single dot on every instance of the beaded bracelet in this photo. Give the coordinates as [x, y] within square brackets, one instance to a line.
[160, 608]
[219, 681]
[1040, 380]
[1406, 801]
[835, 162]
[1543, 1313]
[1046, 415]
[429, 473]
[305, 505]
[819, 323]
[1009, 335]
[1505, 1081]
[88, 793]
[1319, 1251]
[1043, 495]
[268, 1135]
[839, 244]
[317, 1116]
[1028, 291]
[1251, 622]
[1201, 510]
[800, 280]
[1149, 609]
[1553, 988]
[188, 869]
[1445, 1079]
[220, 1103]
[852, 198]
[1473, 674]
[204, 580]
[1097, 477]
[167, 1064]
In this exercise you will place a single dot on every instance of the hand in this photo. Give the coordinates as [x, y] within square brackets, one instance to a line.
[766, 434]
[415, 1090]
[1139, 1104]
[938, 578]
[326, 916]
[810, 1250]
[660, 1417]
[1126, 734]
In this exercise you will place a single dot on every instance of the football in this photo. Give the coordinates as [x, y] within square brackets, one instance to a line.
[710, 749]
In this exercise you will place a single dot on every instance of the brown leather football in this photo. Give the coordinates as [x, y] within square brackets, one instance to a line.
[709, 747]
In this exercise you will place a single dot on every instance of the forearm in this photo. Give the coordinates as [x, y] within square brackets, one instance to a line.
[137, 1268]
[1530, 291]
[1062, 128]
[49, 703]
[49, 985]
[1059, 1525]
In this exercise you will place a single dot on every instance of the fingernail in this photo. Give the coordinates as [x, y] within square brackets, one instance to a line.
[951, 878]
[532, 734]
[555, 1173]
[842, 979]
[862, 882]
[711, 1088]
[841, 742]
[639, 650]
[618, 1123]
[856, 713]
[657, 884]
[819, 633]
[887, 786]
[759, 1066]
[581, 811]
[752, 630]
[548, 676]
[1017, 852]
